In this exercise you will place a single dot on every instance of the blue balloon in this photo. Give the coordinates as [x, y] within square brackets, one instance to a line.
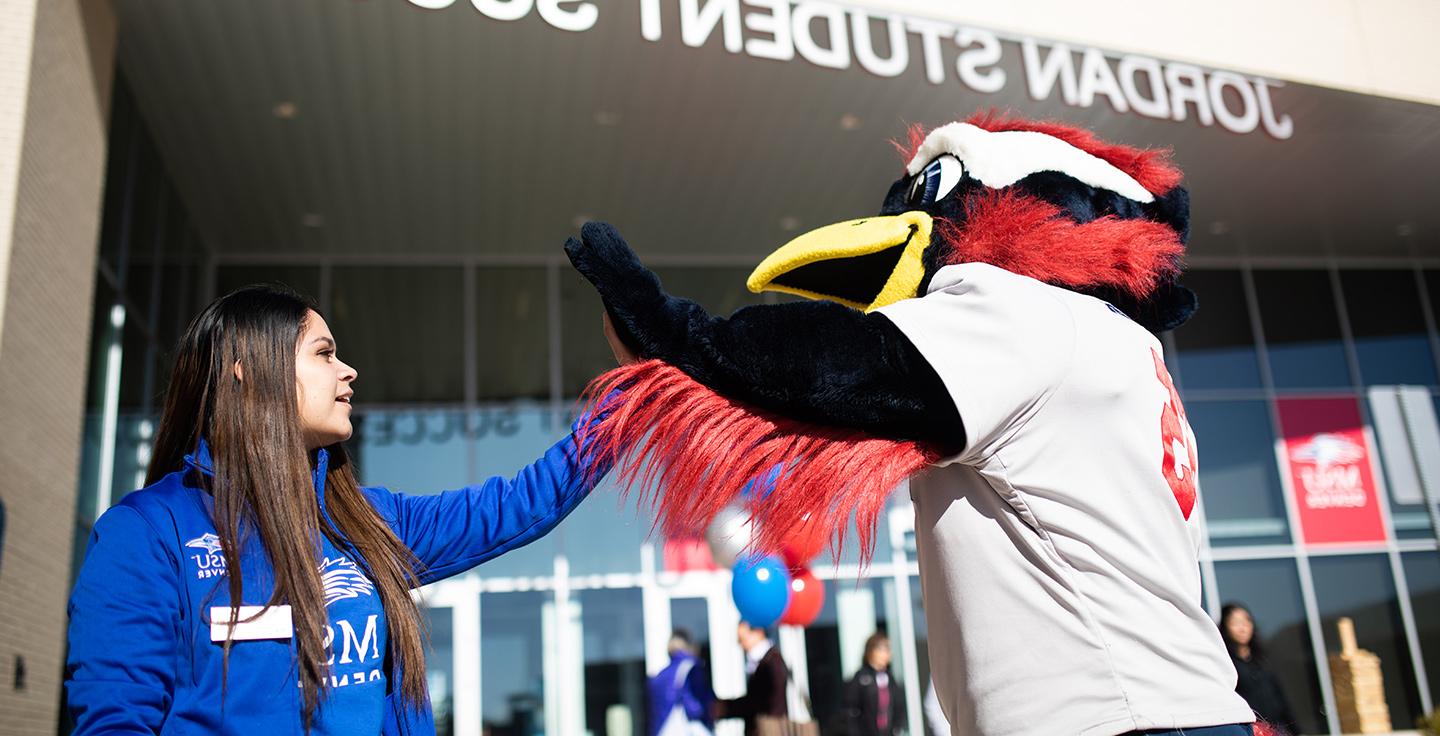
[761, 589]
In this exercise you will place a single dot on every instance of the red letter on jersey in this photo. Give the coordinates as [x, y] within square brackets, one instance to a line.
[1178, 464]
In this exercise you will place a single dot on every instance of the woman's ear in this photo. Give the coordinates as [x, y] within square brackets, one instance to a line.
[239, 372]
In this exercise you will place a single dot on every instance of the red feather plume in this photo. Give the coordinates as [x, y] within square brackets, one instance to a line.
[1034, 238]
[691, 451]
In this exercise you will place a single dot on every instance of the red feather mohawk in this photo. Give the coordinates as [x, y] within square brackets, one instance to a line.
[1029, 236]
[693, 451]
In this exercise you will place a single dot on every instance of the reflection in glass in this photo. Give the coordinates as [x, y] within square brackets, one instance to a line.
[1270, 590]
[605, 532]
[720, 290]
[614, 661]
[834, 643]
[1239, 483]
[420, 450]
[400, 327]
[512, 653]
[513, 344]
[692, 615]
[1302, 329]
[304, 279]
[440, 668]
[1422, 577]
[1388, 326]
[1361, 587]
[1217, 345]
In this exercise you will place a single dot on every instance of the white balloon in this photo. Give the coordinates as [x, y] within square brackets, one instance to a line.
[729, 536]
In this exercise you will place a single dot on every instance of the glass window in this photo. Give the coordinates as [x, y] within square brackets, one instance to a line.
[1270, 590]
[1388, 326]
[823, 659]
[440, 668]
[614, 661]
[401, 328]
[512, 656]
[1239, 483]
[835, 641]
[512, 319]
[422, 450]
[584, 352]
[1217, 345]
[586, 355]
[1360, 587]
[304, 279]
[1422, 576]
[1302, 329]
[605, 532]
[692, 615]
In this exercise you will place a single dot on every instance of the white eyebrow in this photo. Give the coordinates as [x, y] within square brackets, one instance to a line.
[1000, 159]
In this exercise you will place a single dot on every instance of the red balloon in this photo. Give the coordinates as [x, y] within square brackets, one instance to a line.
[805, 543]
[807, 597]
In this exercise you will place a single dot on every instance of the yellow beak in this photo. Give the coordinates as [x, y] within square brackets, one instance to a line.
[864, 264]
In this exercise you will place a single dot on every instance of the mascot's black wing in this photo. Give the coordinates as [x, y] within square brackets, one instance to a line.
[827, 407]
[813, 361]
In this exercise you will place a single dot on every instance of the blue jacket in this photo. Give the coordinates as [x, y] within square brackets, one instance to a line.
[693, 694]
[141, 659]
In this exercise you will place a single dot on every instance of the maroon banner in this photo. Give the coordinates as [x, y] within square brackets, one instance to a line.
[1327, 458]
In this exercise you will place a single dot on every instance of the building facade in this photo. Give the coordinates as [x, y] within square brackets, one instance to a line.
[416, 165]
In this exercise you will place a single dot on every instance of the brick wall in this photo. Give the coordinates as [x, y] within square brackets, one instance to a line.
[49, 249]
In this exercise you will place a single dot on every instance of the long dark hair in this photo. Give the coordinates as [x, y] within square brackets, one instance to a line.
[1257, 650]
[262, 483]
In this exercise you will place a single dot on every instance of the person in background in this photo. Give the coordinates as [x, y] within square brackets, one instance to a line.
[873, 703]
[680, 694]
[765, 679]
[1254, 681]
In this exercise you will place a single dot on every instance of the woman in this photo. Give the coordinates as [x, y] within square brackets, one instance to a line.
[1256, 684]
[318, 633]
[874, 703]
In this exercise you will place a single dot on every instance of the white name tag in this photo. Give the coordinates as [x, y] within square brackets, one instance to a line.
[275, 623]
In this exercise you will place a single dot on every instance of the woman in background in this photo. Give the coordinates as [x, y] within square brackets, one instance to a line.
[1255, 683]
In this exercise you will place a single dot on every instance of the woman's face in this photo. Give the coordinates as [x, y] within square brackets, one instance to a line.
[880, 655]
[323, 384]
[1240, 626]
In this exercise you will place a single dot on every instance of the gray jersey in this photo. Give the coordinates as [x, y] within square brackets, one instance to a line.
[1058, 550]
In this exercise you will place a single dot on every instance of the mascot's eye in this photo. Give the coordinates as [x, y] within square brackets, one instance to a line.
[936, 181]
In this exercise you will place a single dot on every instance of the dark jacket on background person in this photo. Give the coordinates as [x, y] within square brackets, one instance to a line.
[860, 705]
[1261, 689]
[764, 693]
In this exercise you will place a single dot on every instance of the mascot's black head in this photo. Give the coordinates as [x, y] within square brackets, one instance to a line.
[1039, 199]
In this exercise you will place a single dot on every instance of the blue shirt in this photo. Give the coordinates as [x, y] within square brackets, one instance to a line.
[356, 637]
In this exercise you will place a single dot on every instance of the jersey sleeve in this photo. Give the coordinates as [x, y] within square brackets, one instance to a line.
[1001, 344]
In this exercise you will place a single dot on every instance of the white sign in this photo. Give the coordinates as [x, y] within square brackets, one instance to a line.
[835, 36]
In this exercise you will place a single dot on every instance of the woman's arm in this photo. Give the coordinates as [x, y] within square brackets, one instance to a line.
[454, 531]
[124, 624]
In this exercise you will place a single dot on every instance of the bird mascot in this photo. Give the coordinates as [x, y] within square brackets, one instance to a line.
[988, 336]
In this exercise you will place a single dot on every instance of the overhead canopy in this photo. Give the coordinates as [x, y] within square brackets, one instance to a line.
[381, 127]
